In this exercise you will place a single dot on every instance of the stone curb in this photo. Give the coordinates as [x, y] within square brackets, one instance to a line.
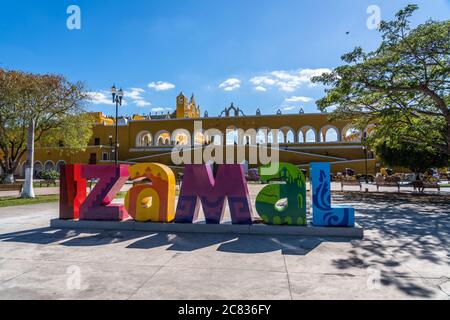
[258, 229]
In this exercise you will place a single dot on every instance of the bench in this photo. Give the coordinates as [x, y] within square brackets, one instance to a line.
[12, 187]
[422, 185]
[351, 183]
[47, 182]
[387, 184]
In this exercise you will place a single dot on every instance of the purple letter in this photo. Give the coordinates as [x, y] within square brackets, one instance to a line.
[199, 184]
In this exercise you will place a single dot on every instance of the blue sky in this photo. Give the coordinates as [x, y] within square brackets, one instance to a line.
[256, 53]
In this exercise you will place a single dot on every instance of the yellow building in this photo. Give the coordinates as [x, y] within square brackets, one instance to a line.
[302, 139]
[187, 108]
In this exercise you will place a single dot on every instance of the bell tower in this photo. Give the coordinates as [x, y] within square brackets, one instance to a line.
[182, 106]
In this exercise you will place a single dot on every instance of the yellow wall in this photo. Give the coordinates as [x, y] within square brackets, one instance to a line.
[341, 154]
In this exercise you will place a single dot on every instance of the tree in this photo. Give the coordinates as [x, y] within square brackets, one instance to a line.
[57, 107]
[417, 158]
[402, 87]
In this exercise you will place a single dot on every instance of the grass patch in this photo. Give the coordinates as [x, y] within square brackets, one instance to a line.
[13, 202]
[37, 185]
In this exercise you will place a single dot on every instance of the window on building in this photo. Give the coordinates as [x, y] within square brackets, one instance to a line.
[97, 141]
[105, 156]
[93, 158]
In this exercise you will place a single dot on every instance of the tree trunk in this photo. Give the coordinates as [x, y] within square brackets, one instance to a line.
[9, 178]
[28, 190]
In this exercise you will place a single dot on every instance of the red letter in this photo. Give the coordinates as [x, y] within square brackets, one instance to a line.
[72, 191]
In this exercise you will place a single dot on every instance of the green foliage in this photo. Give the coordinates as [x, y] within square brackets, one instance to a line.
[403, 87]
[49, 175]
[417, 158]
[56, 105]
[12, 202]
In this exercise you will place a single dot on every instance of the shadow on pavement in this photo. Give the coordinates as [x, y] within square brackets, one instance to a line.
[183, 242]
[399, 229]
[403, 228]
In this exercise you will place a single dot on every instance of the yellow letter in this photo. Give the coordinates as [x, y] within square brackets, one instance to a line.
[152, 202]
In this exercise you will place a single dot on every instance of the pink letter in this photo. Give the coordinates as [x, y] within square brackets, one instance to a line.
[98, 204]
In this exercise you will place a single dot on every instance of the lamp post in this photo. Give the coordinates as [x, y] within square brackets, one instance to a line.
[111, 147]
[117, 97]
[365, 155]
[367, 171]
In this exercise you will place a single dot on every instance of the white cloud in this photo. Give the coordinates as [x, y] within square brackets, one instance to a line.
[161, 86]
[289, 108]
[157, 109]
[260, 88]
[288, 81]
[132, 95]
[262, 80]
[142, 103]
[298, 99]
[100, 97]
[135, 95]
[230, 84]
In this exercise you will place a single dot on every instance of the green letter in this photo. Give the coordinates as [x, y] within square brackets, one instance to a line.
[293, 189]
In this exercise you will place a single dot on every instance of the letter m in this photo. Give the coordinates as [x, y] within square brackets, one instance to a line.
[200, 186]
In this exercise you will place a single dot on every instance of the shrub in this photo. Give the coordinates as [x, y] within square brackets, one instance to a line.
[49, 175]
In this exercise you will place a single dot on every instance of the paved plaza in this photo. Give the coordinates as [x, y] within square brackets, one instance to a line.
[405, 255]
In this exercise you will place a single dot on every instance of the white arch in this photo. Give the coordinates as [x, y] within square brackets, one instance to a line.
[288, 135]
[162, 138]
[307, 133]
[144, 139]
[49, 165]
[325, 134]
[351, 134]
[59, 164]
[181, 137]
[232, 136]
[262, 135]
[301, 136]
[281, 137]
[275, 136]
[38, 167]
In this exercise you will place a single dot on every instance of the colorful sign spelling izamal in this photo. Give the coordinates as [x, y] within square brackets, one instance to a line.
[153, 199]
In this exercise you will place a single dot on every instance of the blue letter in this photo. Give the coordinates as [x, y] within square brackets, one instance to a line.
[323, 214]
